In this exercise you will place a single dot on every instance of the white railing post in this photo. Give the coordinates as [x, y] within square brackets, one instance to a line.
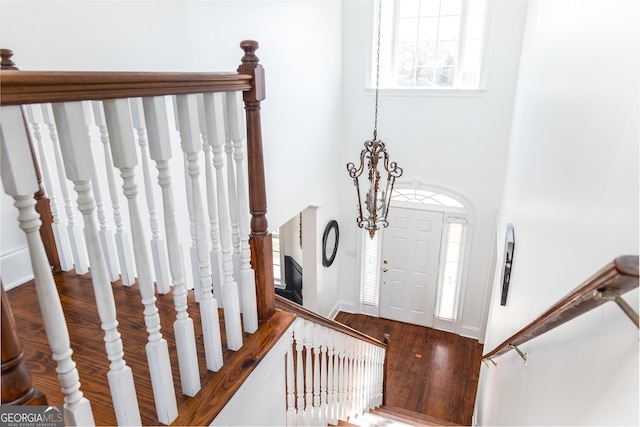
[76, 239]
[20, 182]
[298, 333]
[155, 110]
[217, 272]
[106, 235]
[332, 374]
[158, 245]
[123, 242]
[233, 192]
[187, 111]
[291, 392]
[214, 113]
[322, 419]
[247, 278]
[123, 150]
[308, 371]
[78, 160]
[316, 374]
[34, 115]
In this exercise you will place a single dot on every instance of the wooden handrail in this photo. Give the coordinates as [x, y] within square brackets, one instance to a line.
[32, 87]
[291, 307]
[620, 275]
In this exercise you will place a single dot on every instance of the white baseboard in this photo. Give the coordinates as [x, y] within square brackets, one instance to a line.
[15, 268]
[472, 332]
[341, 306]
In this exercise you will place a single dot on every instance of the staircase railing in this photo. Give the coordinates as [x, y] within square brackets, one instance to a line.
[608, 284]
[333, 372]
[131, 111]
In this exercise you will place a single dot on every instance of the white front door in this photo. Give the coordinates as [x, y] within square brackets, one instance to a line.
[410, 258]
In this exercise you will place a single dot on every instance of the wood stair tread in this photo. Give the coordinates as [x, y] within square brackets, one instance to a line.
[410, 417]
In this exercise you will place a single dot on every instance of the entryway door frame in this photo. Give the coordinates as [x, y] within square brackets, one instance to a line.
[456, 209]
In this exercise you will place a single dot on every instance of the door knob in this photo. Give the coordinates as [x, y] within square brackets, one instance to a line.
[384, 270]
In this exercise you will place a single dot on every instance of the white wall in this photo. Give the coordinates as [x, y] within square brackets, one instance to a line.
[572, 194]
[453, 142]
[300, 48]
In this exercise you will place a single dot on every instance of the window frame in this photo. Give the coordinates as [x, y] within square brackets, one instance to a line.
[445, 91]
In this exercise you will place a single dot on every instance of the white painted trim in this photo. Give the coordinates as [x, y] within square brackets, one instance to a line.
[472, 332]
[430, 92]
[334, 311]
[15, 268]
[273, 361]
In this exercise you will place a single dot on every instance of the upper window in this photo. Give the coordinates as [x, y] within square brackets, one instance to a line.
[430, 43]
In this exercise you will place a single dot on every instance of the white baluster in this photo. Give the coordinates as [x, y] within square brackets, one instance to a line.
[193, 250]
[160, 151]
[308, 371]
[247, 278]
[291, 392]
[324, 377]
[158, 245]
[190, 141]
[123, 242]
[217, 273]
[20, 182]
[316, 374]
[341, 410]
[106, 235]
[332, 380]
[34, 115]
[380, 375]
[78, 161]
[298, 333]
[123, 150]
[233, 325]
[233, 192]
[76, 239]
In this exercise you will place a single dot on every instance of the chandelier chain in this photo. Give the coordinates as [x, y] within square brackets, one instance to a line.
[375, 121]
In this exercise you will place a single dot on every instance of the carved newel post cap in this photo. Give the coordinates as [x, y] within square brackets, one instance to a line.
[249, 47]
[7, 63]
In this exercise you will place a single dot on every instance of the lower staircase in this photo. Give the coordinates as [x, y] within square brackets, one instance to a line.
[392, 416]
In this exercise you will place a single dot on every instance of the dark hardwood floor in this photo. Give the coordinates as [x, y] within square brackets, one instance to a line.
[76, 295]
[429, 371]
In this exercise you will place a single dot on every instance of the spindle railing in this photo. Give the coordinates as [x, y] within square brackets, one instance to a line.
[101, 127]
[333, 372]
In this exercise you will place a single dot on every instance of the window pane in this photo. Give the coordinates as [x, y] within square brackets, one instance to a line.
[428, 29]
[451, 269]
[449, 28]
[426, 54]
[407, 29]
[450, 7]
[447, 54]
[408, 8]
[424, 76]
[476, 7]
[444, 76]
[370, 269]
[430, 8]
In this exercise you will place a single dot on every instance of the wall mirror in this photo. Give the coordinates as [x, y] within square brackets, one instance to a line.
[330, 243]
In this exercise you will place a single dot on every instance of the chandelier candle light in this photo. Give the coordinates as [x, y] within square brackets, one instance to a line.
[374, 155]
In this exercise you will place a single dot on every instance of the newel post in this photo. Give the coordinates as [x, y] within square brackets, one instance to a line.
[259, 238]
[17, 388]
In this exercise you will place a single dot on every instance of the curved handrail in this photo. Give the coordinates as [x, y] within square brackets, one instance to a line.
[286, 305]
[620, 275]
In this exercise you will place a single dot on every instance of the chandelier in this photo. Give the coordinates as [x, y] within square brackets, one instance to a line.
[381, 172]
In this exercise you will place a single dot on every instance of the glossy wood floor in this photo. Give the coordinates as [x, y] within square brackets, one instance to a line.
[76, 295]
[430, 372]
